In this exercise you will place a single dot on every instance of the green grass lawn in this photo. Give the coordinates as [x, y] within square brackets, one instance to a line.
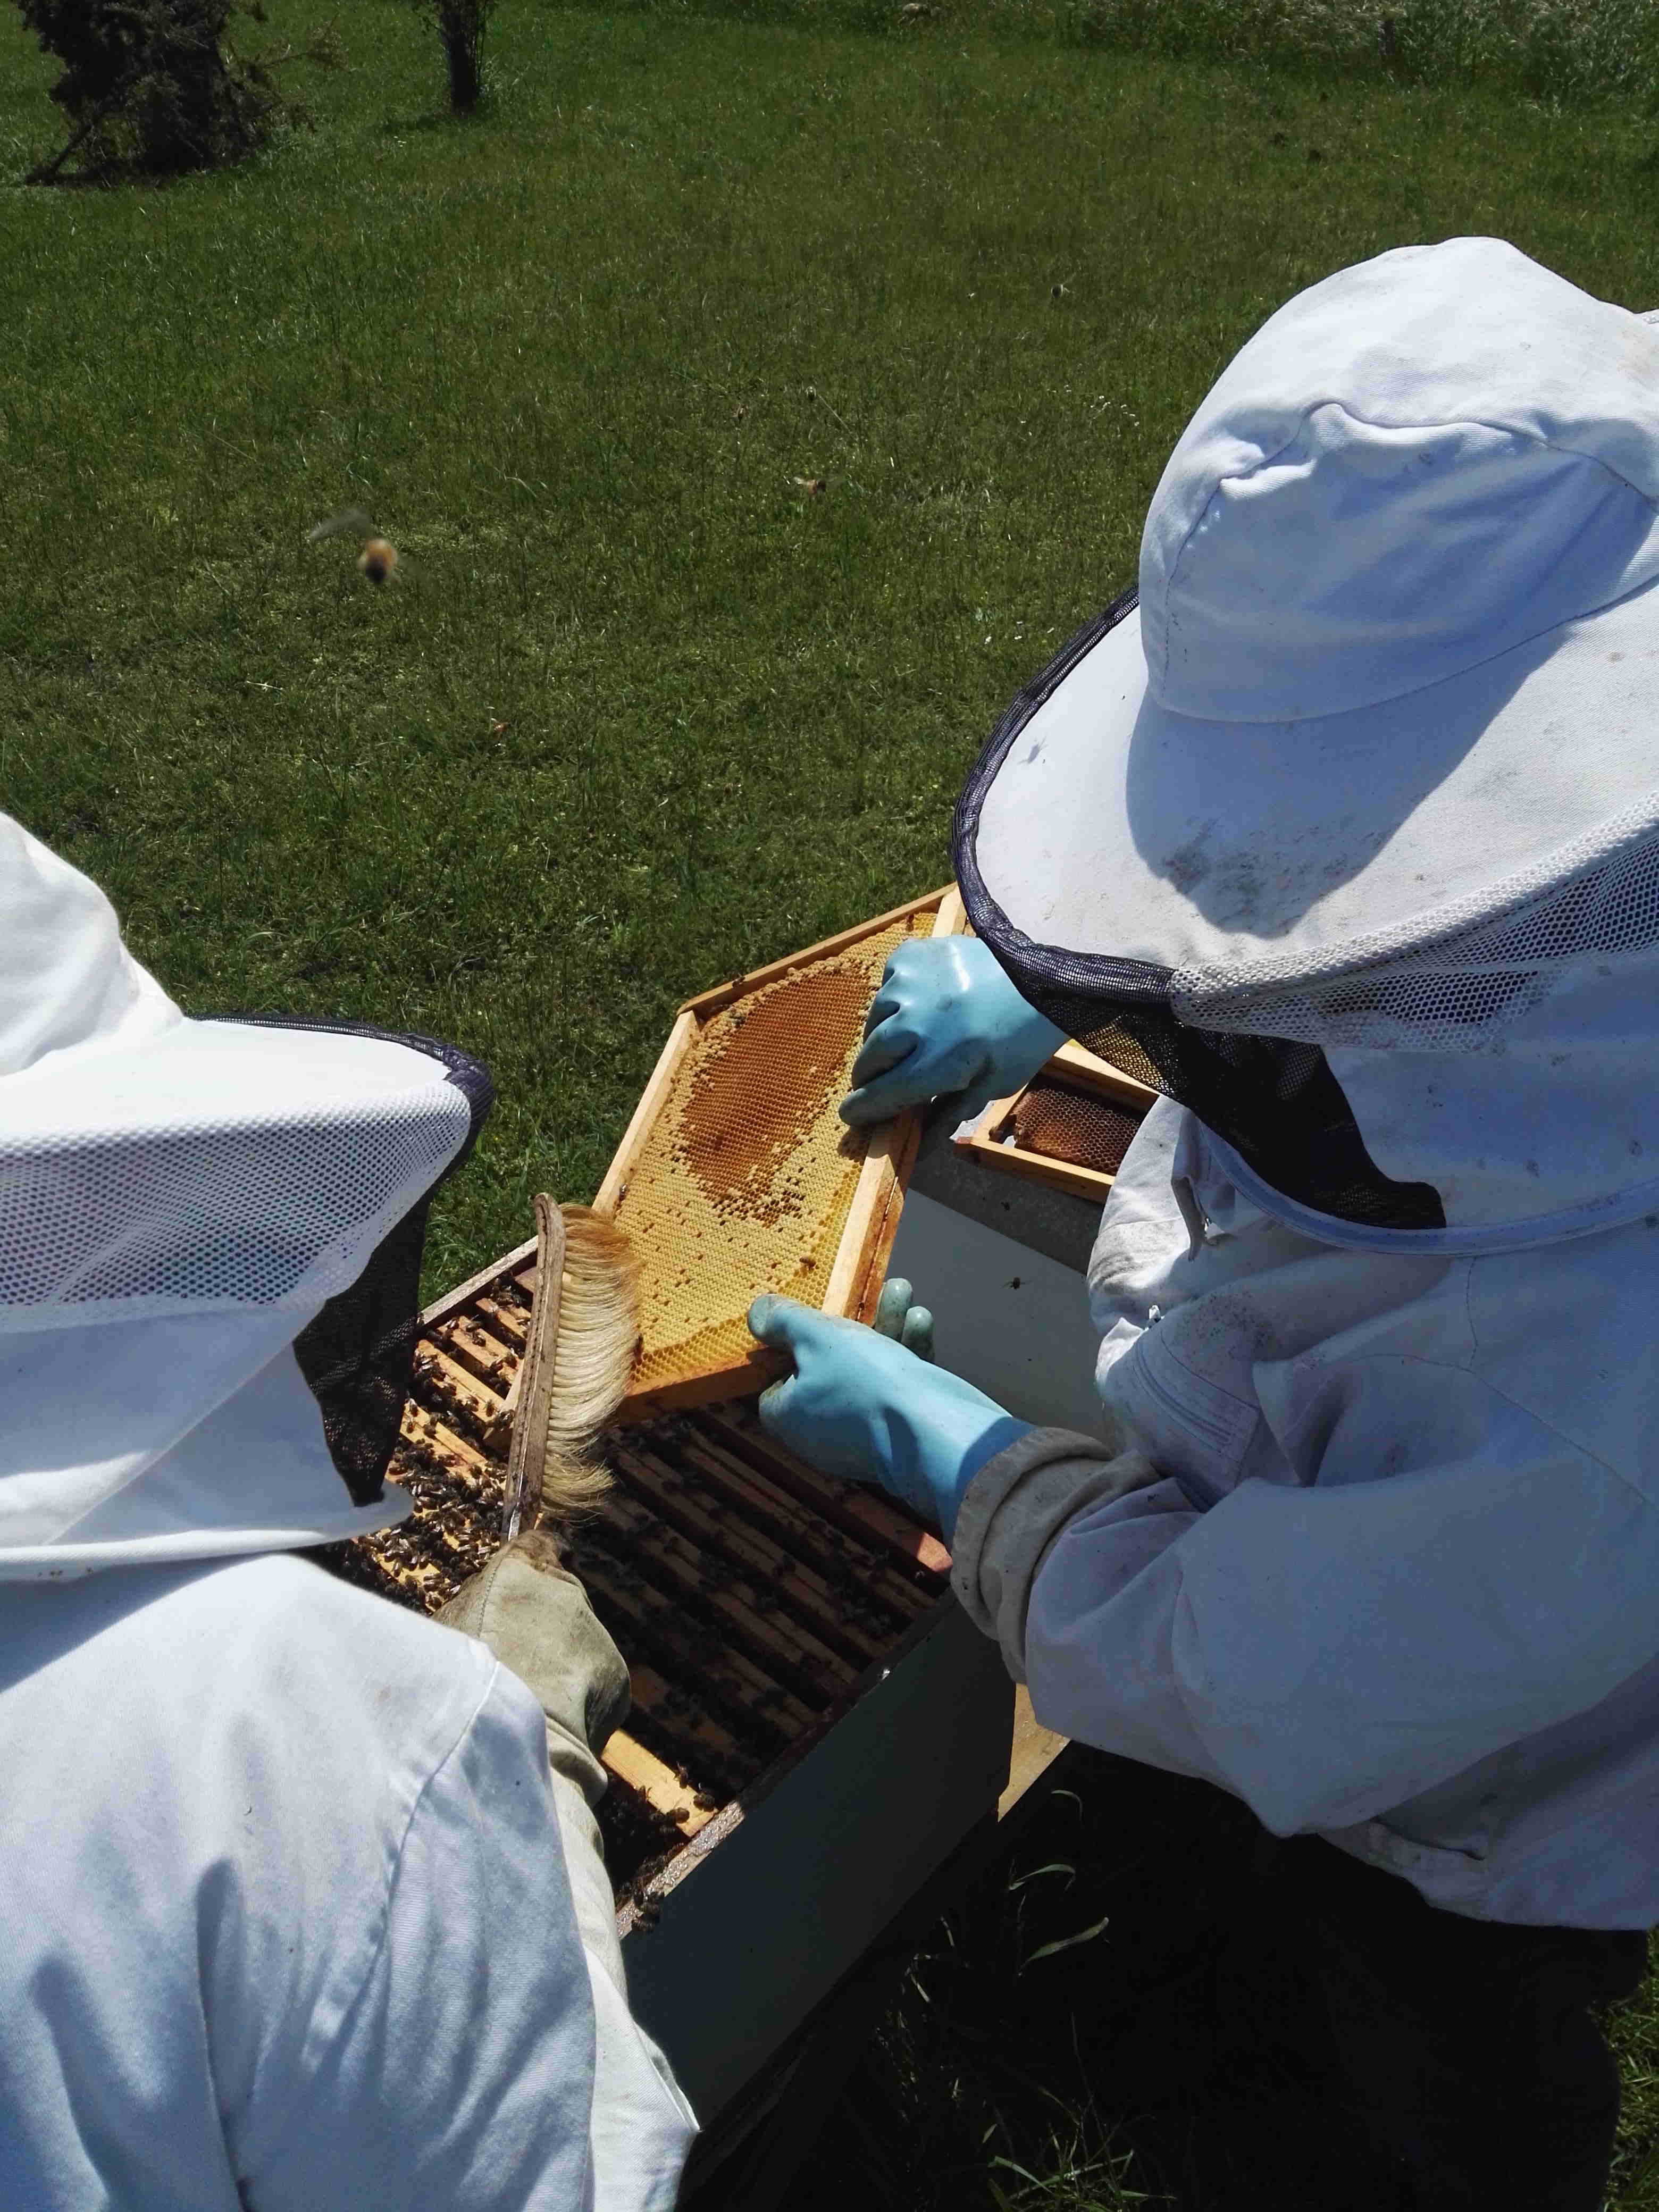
[642, 710]
[1091, 2076]
[648, 712]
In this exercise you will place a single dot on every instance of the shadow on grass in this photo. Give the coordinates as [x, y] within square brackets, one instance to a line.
[442, 119]
[1039, 2063]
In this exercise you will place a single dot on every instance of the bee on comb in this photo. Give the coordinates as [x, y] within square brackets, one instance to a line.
[379, 557]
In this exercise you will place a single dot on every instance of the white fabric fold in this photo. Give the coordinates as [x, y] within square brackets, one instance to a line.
[302, 1931]
[1401, 1595]
[1012, 1512]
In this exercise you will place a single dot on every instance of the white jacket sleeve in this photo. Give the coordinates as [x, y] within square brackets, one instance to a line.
[532, 1614]
[463, 2070]
[642, 2126]
[1325, 1652]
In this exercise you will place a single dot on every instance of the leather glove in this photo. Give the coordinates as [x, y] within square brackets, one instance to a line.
[534, 1616]
[947, 1018]
[863, 1404]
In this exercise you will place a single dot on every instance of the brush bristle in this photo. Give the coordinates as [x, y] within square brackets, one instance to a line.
[593, 1357]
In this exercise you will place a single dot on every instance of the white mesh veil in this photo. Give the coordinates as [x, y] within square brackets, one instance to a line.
[210, 1234]
[1486, 1068]
[1463, 991]
[195, 1213]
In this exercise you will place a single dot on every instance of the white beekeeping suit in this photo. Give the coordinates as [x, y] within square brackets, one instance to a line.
[289, 1922]
[1347, 836]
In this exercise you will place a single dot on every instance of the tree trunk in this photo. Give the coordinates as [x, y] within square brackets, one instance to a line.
[463, 39]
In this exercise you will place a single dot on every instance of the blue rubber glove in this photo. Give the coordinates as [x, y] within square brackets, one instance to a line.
[947, 1018]
[864, 1406]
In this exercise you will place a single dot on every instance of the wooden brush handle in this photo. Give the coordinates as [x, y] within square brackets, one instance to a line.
[526, 1458]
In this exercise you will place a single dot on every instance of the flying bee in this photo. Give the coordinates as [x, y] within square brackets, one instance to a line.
[379, 557]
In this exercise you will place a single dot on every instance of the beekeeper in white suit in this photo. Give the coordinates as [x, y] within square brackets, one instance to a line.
[297, 1915]
[1345, 837]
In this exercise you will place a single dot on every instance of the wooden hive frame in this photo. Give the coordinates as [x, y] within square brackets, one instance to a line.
[814, 1579]
[865, 1240]
[992, 1142]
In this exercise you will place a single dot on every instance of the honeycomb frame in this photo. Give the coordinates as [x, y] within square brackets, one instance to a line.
[736, 1158]
[991, 1141]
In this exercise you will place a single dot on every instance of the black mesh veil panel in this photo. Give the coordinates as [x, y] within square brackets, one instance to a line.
[358, 1354]
[1276, 1101]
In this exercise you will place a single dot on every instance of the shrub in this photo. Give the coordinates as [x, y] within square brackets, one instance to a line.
[155, 85]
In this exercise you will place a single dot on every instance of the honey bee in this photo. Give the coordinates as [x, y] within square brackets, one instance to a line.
[379, 557]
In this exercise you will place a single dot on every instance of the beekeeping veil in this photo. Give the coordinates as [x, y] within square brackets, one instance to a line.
[211, 1236]
[1345, 831]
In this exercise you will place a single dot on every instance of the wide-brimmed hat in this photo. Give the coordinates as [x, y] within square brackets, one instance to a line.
[200, 1224]
[1390, 685]
[1394, 652]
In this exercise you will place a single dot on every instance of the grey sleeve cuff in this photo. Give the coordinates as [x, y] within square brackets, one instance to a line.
[1013, 1510]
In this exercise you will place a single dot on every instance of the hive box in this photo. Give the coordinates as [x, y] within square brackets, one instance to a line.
[816, 1726]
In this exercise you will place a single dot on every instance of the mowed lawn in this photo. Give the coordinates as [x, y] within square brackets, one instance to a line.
[646, 705]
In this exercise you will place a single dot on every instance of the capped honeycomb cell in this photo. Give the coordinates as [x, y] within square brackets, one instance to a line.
[1070, 1126]
[1066, 1124]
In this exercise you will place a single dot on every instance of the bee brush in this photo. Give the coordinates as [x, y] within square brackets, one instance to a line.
[584, 1333]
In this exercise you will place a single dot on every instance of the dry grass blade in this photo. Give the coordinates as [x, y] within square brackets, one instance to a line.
[1065, 1942]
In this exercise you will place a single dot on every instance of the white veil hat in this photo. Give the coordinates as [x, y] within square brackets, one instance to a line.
[179, 1200]
[1372, 767]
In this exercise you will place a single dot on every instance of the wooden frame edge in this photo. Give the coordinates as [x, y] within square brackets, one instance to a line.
[986, 1151]
[738, 1378]
[950, 921]
[873, 1218]
[508, 1264]
[628, 1761]
[873, 1222]
[715, 1000]
[1078, 1064]
[1081, 1070]
[608, 1197]
[1038, 1167]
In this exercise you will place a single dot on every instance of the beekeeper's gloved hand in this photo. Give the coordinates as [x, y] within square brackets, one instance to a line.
[533, 1615]
[862, 1405]
[946, 1019]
